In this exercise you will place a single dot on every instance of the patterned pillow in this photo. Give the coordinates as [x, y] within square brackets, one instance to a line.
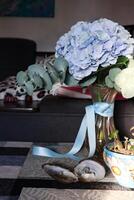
[10, 92]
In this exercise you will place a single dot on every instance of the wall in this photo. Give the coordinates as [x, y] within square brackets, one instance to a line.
[46, 31]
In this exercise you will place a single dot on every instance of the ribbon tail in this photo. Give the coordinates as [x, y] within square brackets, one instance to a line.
[46, 152]
[80, 138]
[43, 151]
[90, 115]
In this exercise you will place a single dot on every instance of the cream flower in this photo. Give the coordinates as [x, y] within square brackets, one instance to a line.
[125, 81]
[131, 62]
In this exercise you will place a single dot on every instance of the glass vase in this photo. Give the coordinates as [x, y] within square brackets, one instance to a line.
[104, 126]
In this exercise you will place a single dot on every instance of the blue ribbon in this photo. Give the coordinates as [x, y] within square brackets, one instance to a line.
[87, 127]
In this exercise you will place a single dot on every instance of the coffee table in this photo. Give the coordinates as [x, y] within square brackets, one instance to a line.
[38, 185]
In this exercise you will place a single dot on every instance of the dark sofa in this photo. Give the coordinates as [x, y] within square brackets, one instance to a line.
[57, 120]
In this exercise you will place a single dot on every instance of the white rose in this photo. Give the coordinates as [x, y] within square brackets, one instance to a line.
[131, 62]
[125, 81]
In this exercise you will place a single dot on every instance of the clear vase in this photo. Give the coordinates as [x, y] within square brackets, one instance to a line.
[104, 126]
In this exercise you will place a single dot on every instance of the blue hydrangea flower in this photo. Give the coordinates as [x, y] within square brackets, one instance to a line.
[90, 45]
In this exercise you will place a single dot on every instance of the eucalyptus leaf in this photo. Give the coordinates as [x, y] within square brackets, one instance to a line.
[60, 64]
[21, 77]
[38, 81]
[29, 88]
[113, 73]
[35, 69]
[70, 80]
[53, 74]
[109, 83]
[47, 81]
[88, 81]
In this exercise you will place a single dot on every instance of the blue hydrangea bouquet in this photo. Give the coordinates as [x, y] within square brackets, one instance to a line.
[98, 52]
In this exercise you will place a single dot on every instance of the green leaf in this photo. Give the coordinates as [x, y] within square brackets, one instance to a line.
[109, 83]
[21, 77]
[113, 73]
[70, 80]
[60, 64]
[101, 135]
[29, 88]
[85, 83]
[123, 60]
[132, 147]
[122, 63]
[35, 69]
[38, 81]
[114, 134]
[53, 74]
[47, 81]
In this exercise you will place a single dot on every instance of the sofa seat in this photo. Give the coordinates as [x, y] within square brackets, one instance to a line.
[57, 120]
